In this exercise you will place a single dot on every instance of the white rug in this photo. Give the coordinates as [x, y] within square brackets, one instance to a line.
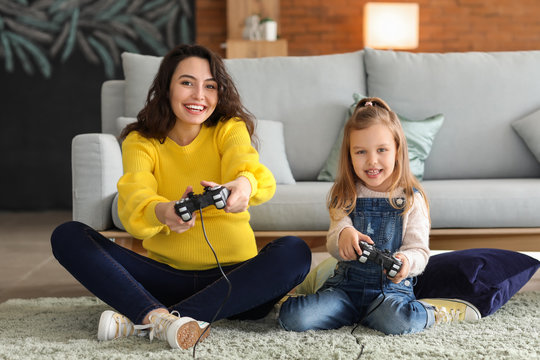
[65, 328]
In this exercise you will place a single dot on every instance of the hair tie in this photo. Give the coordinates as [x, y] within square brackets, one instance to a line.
[368, 103]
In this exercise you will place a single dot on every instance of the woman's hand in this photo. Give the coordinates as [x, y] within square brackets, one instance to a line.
[240, 192]
[403, 272]
[349, 243]
[166, 215]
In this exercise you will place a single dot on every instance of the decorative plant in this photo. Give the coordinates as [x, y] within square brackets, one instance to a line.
[35, 32]
[266, 19]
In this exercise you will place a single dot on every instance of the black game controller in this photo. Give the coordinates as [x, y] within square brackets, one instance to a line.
[216, 195]
[391, 264]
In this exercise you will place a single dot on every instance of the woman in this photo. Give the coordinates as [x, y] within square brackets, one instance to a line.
[192, 133]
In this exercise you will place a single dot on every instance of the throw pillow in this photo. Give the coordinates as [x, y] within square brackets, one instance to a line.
[272, 150]
[528, 128]
[419, 133]
[317, 277]
[329, 170]
[487, 278]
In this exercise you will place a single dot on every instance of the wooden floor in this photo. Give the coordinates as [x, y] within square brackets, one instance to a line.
[28, 269]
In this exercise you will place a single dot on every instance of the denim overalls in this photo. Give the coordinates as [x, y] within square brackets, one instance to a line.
[354, 290]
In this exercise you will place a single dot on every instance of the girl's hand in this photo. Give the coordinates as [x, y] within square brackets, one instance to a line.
[240, 192]
[349, 247]
[166, 215]
[403, 272]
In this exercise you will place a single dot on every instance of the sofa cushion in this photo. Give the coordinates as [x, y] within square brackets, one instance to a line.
[272, 150]
[528, 128]
[489, 203]
[298, 207]
[483, 203]
[308, 94]
[139, 72]
[487, 278]
[419, 133]
[480, 94]
[123, 121]
[294, 207]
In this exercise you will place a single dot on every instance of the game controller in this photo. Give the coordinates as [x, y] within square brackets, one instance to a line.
[391, 264]
[216, 195]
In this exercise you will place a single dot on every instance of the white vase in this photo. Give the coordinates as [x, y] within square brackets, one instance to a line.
[269, 30]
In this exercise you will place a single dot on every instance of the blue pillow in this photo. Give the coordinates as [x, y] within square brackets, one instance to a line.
[487, 278]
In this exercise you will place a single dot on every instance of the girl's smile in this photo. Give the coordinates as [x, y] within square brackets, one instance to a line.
[373, 173]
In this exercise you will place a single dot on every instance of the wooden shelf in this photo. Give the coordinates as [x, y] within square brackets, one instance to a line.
[238, 48]
[239, 10]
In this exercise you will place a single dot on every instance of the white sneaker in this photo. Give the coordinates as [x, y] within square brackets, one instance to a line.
[450, 310]
[113, 325]
[179, 332]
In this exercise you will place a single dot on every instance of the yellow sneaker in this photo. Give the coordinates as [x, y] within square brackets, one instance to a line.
[450, 310]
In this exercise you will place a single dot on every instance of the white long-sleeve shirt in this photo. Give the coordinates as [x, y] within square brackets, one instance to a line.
[416, 226]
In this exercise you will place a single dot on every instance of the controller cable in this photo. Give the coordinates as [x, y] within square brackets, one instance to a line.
[224, 277]
[369, 313]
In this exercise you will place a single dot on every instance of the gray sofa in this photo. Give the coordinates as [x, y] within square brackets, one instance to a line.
[481, 173]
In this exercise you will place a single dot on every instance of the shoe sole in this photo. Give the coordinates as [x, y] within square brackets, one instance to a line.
[189, 333]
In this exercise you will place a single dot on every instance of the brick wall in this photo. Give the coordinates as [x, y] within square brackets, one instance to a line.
[211, 23]
[314, 27]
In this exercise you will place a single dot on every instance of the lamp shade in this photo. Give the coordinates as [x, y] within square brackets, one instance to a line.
[391, 25]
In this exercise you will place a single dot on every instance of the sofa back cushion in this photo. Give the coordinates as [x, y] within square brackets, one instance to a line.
[310, 95]
[139, 72]
[480, 95]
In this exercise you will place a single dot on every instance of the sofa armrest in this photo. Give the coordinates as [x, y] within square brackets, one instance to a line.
[96, 161]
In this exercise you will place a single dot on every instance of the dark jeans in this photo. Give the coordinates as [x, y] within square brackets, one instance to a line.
[134, 284]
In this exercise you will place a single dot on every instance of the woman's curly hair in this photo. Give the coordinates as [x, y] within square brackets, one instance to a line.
[157, 118]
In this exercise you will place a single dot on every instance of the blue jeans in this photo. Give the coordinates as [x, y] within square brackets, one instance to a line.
[342, 301]
[358, 292]
[135, 285]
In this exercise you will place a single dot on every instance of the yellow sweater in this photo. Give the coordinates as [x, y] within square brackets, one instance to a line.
[155, 172]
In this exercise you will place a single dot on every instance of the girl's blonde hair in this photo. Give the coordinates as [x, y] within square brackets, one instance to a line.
[371, 111]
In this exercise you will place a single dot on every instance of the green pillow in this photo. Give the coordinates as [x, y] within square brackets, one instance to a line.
[419, 134]
[317, 277]
[528, 128]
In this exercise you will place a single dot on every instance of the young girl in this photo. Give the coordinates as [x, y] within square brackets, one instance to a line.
[375, 199]
[193, 132]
